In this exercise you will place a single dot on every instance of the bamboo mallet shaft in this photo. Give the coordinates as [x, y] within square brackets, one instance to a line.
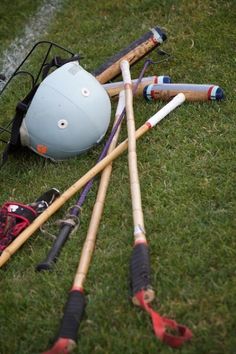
[151, 122]
[133, 53]
[89, 244]
[113, 89]
[132, 155]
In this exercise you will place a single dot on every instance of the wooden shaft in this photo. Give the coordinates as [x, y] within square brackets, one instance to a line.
[113, 89]
[42, 218]
[132, 156]
[133, 53]
[90, 240]
[133, 56]
[89, 245]
[193, 96]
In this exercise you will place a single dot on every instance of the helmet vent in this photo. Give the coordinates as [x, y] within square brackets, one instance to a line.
[85, 92]
[62, 123]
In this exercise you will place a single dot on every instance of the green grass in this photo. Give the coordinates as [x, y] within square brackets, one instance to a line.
[13, 19]
[187, 175]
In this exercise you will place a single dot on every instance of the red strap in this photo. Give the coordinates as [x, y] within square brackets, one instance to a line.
[62, 346]
[160, 325]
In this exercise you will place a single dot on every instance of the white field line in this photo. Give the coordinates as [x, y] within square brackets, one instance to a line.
[34, 30]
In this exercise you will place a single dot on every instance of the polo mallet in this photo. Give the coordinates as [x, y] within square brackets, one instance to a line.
[192, 92]
[140, 265]
[75, 306]
[74, 188]
[68, 224]
[133, 53]
[161, 88]
[113, 88]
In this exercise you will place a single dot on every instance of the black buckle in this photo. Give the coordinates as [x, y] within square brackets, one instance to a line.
[21, 107]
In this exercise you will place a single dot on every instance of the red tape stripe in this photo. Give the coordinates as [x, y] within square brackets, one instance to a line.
[209, 92]
[161, 324]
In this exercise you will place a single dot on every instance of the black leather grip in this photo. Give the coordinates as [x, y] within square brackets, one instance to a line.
[73, 314]
[53, 254]
[140, 268]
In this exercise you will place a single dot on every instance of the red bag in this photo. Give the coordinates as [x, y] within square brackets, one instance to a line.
[15, 217]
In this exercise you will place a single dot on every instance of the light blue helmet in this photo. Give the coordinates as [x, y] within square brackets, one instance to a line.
[70, 113]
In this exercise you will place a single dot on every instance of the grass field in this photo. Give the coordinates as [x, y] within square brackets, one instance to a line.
[187, 175]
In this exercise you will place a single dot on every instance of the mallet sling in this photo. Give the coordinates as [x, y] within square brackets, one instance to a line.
[140, 264]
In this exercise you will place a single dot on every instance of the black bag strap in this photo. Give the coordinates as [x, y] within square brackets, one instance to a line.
[20, 211]
[21, 109]
[57, 62]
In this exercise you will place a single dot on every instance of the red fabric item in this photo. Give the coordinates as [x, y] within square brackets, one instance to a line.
[11, 223]
[62, 346]
[160, 325]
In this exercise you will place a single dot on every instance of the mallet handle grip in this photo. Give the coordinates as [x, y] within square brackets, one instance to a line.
[72, 317]
[140, 271]
[54, 252]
